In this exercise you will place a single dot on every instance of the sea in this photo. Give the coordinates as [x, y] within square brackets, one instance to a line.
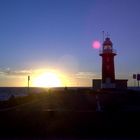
[7, 92]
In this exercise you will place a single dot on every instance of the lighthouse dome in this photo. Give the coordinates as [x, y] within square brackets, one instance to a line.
[107, 42]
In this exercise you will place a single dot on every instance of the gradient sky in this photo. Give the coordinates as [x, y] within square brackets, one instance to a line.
[58, 35]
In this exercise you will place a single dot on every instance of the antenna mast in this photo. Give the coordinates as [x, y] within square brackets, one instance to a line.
[103, 35]
[107, 34]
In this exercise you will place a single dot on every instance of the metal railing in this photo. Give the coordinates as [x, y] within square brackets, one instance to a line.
[107, 51]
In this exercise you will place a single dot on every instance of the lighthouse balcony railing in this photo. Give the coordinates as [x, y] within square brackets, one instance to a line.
[107, 51]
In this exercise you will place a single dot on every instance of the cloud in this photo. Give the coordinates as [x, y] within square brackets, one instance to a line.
[8, 72]
[86, 75]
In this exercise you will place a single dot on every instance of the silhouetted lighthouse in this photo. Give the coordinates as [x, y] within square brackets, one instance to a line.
[108, 69]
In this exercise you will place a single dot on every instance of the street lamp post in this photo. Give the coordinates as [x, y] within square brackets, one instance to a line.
[134, 77]
[138, 78]
[28, 83]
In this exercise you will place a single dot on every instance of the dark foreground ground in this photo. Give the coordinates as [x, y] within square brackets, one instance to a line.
[72, 114]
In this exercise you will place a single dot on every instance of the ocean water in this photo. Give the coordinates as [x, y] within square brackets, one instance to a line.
[7, 92]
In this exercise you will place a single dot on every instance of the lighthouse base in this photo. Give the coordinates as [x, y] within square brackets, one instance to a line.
[119, 84]
[108, 85]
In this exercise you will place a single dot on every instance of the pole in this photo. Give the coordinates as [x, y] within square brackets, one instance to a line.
[134, 77]
[28, 83]
[138, 79]
[103, 35]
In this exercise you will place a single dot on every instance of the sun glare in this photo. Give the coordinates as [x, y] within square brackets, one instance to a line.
[48, 79]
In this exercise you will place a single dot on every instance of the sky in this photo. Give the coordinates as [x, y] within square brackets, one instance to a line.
[57, 35]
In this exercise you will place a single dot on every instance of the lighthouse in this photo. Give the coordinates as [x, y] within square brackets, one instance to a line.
[108, 80]
[108, 69]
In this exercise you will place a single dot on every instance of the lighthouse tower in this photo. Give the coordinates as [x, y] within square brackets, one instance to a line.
[108, 70]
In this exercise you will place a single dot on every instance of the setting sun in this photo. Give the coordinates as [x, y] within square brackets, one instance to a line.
[48, 79]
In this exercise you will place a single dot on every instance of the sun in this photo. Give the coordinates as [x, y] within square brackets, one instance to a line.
[47, 79]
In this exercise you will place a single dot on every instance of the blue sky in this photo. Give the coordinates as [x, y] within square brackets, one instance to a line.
[58, 34]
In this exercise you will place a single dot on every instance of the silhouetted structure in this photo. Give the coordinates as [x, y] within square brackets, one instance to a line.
[108, 69]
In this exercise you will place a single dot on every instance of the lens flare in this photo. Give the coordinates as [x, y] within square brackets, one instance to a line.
[96, 44]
